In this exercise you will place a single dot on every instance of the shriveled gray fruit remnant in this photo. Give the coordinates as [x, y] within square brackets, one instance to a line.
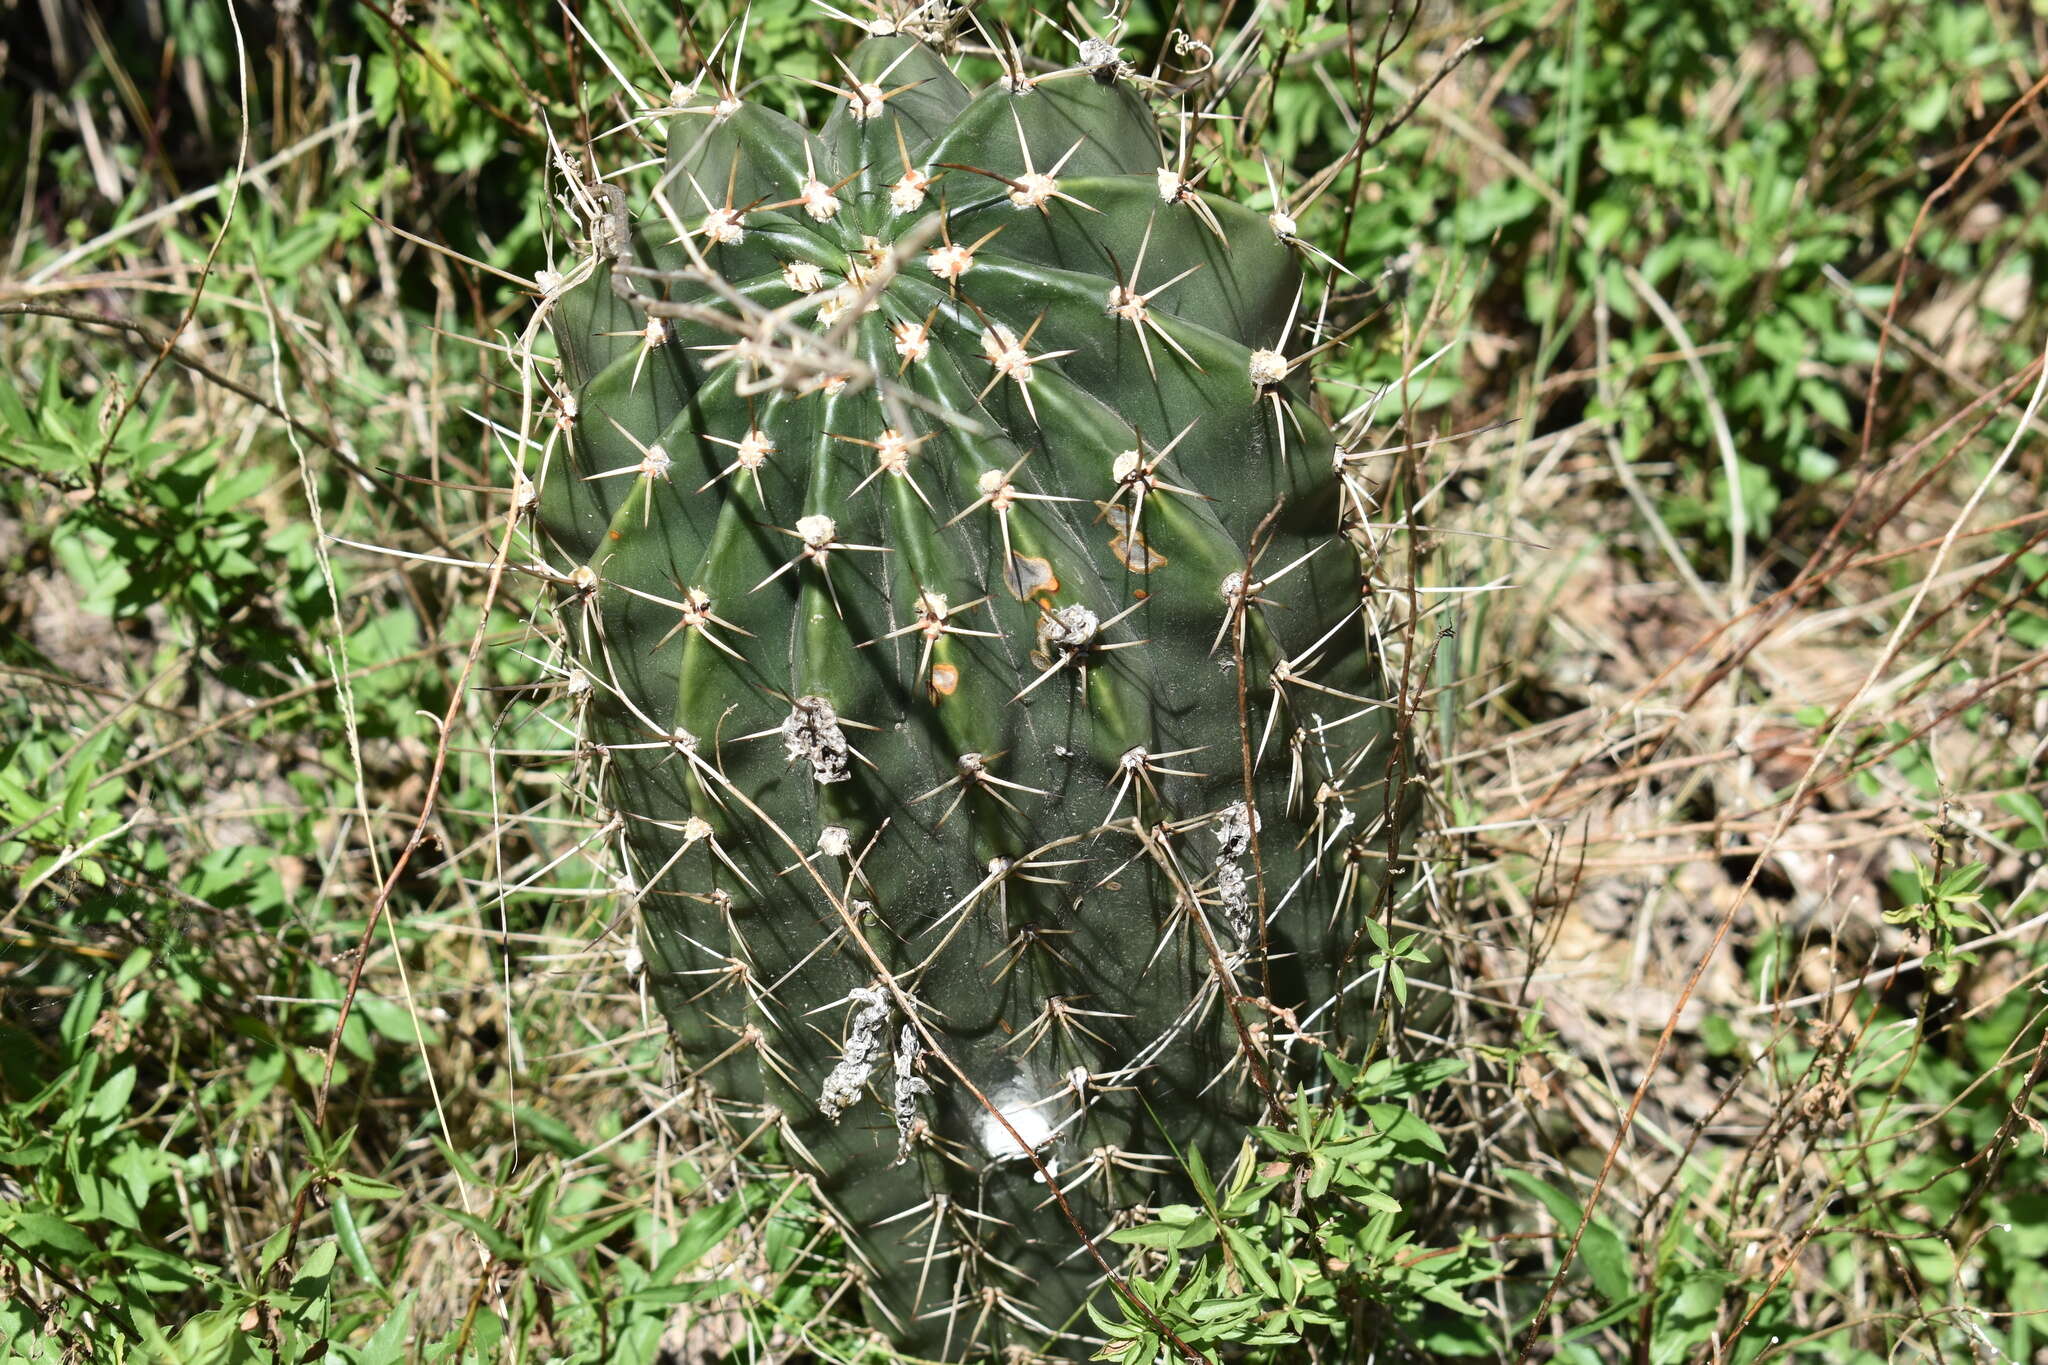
[909, 1085]
[863, 1049]
[1234, 840]
[812, 735]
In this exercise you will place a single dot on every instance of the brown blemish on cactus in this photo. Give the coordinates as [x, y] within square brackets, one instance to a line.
[945, 682]
[1029, 576]
[1132, 551]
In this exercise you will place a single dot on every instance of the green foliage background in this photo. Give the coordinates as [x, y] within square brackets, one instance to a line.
[217, 728]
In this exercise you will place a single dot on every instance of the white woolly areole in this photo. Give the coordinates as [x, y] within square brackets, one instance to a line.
[864, 102]
[1002, 349]
[1031, 191]
[656, 463]
[907, 194]
[723, 227]
[817, 530]
[802, 276]
[1170, 184]
[754, 449]
[913, 342]
[1268, 368]
[892, 450]
[818, 200]
[835, 305]
[1284, 226]
[950, 261]
[835, 841]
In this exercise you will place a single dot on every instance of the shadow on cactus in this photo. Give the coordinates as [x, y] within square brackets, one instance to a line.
[973, 637]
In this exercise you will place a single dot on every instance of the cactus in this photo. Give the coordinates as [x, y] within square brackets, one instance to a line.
[972, 639]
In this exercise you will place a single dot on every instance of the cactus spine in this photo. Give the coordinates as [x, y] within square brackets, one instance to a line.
[972, 616]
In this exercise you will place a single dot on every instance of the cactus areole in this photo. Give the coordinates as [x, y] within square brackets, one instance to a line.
[975, 635]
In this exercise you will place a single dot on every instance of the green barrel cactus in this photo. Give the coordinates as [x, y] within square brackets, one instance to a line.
[973, 646]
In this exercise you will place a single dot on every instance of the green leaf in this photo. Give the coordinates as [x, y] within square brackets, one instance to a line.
[110, 1101]
[46, 1231]
[1601, 1248]
[387, 1346]
[363, 1187]
[350, 1237]
[700, 1232]
[590, 1236]
[495, 1242]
